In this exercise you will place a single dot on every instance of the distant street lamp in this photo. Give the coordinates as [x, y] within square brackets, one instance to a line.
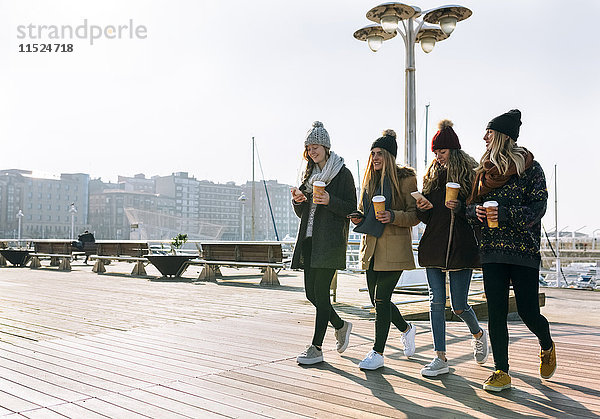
[387, 17]
[242, 199]
[73, 211]
[594, 238]
[573, 235]
[558, 270]
[19, 216]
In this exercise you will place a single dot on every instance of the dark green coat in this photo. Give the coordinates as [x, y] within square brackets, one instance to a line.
[330, 225]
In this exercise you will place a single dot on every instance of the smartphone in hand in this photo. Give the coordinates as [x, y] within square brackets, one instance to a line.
[417, 195]
[355, 214]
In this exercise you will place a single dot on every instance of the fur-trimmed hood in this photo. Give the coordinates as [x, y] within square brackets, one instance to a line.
[404, 172]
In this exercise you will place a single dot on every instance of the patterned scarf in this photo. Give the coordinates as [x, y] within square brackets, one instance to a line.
[490, 178]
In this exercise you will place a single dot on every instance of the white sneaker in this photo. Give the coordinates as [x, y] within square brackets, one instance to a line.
[342, 336]
[481, 350]
[372, 361]
[408, 339]
[436, 367]
[310, 356]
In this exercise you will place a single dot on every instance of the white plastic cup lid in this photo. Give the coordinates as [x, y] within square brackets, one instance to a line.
[487, 204]
[379, 198]
[453, 185]
[319, 183]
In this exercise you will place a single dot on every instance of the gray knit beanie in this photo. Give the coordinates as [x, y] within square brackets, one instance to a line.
[317, 135]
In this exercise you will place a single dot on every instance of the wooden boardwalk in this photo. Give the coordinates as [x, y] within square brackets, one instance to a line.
[76, 344]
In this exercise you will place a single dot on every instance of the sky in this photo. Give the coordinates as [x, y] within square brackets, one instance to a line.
[207, 76]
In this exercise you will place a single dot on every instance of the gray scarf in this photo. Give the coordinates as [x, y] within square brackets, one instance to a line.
[330, 170]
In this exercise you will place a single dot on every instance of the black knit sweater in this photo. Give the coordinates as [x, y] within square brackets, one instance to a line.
[521, 206]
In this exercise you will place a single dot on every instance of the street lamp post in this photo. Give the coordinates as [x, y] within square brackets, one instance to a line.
[594, 238]
[73, 211]
[19, 216]
[242, 199]
[387, 17]
[573, 235]
[558, 270]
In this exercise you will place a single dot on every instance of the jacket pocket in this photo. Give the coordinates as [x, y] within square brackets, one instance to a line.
[399, 247]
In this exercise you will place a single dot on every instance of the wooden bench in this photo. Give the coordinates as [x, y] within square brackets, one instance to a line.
[59, 252]
[265, 255]
[122, 251]
[89, 249]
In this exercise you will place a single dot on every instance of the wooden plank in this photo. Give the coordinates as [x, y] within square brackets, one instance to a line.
[72, 410]
[14, 403]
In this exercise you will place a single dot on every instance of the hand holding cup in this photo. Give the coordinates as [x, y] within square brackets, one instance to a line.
[491, 210]
[452, 191]
[318, 191]
[452, 204]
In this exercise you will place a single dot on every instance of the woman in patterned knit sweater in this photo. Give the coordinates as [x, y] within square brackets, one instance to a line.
[510, 253]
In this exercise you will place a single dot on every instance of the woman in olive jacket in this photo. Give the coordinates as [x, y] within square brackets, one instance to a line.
[323, 235]
[448, 245]
[386, 247]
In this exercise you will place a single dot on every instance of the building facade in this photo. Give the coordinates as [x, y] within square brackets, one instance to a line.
[48, 204]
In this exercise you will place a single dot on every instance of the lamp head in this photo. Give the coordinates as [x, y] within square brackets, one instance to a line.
[375, 42]
[448, 24]
[427, 44]
[389, 23]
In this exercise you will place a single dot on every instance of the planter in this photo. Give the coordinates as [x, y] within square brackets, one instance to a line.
[16, 257]
[169, 265]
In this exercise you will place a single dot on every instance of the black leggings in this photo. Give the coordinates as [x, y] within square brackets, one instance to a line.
[317, 282]
[381, 285]
[525, 282]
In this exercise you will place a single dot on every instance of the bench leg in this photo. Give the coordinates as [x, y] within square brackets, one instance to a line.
[209, 273]
[65, 264]
[2, 261]
[139, 269]
[99, 267]
[54, 261]
[269, 278]
[35, 263]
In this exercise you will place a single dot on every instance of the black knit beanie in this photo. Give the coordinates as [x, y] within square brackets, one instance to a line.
[508, 123]
[387, 142]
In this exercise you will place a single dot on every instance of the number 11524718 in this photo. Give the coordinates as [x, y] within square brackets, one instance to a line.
[45, 47]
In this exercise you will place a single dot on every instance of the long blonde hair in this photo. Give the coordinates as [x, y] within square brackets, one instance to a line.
[502, 153]
[460, 169]
[372, 178]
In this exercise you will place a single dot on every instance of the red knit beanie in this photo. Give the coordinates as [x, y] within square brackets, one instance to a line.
[445, 137]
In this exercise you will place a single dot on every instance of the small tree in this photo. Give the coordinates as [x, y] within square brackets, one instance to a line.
[178, 241]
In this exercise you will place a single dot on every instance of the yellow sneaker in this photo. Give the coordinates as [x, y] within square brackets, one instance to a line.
[548, 362]
[498, 381]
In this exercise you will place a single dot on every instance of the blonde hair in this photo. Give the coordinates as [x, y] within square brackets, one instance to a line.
[310, 164]
[460, 169]
[502, 153]
[373, 178]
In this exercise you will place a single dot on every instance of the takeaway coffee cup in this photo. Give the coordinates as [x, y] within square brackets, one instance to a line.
[318, 188]
[379, 203]
[452, 191]
[491, 206]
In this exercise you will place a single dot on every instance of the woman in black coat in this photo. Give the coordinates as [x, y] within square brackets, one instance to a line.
[323, 235]
[448, 245]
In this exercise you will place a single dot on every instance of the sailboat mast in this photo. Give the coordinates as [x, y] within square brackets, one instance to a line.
[253, 189]
[556, 230]
[426, 123]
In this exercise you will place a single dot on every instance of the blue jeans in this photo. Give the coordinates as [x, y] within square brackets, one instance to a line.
[459, 289]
